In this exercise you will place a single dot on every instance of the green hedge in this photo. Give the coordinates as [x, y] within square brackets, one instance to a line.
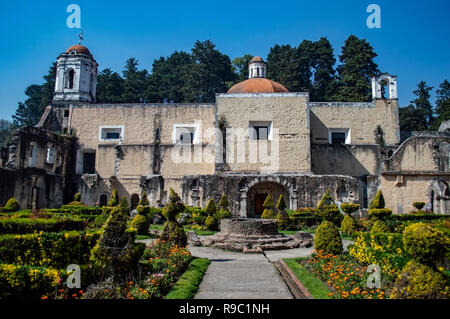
[75, 210]
[416, 217]
[27, 225]
[57, 250]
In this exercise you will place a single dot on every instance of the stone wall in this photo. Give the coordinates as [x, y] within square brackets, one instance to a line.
[360, 118]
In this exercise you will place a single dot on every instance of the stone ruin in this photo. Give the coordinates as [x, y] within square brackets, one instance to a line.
[251, 236]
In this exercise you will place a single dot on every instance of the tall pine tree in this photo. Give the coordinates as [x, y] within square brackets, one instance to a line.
[109, 87]
[134, 82]
[442, 104]
[324, 73]
[284, 66]
[355, 71]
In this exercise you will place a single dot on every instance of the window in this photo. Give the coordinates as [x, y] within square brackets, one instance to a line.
[111, 133]
[89, 163]
[185, 134]
[70, 74]
[260, 131]
[51, 152]
[339, 136]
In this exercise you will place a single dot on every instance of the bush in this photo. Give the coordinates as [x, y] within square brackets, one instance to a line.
[328, 210]
[223, 202]
[114, 199]
[77, 197]
[379, 213]
[349, 208]
[210, 208]
[174, 206]
[74, 210]
[425, 244]
[377, 201]
[418, 281]
[141, 223]
[27, 225]
[56, 250]
[383, 249]
[199, 216]
[211, 223]
[419, 205]
[268, 214]
[223, 214]
[328, 239]
[173, 232]
[19, 281]
[268, 202]
[12, 205]
[348, 225]
[282, 217]
[144, 200]
[379, 227]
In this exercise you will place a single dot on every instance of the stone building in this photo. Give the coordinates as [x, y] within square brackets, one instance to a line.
[256, 139]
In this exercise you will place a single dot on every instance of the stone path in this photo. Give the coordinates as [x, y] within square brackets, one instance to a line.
[234, 275]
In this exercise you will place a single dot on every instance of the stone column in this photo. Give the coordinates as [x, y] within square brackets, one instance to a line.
[293, 200]
[243, 208]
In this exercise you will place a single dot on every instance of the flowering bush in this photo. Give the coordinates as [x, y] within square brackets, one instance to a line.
[345, 278]
[384, 250]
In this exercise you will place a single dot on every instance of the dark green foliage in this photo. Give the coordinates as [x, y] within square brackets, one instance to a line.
[28, 225]
[379, 213]
[281, 203]
[328, 210]
[114, 199]
[174, 206]
[425, 244]
[144, 200]
[77, 197]
[348, 225]
[323, 61]
[223, 202]
[222, 214]
[6, 131]
[240, 65]
[442, 104]
[349, 208]
[379, 226]
[115, 253]
[124, 205]
[283, 220]
[355, 71]
[173, 232]
[268, 203]
[38, 98]
[211, 223]
[268, 214]
[141, 223]
[109, 87]
[377, 201]
[418, 116]
[419, 205]
[134, 83]
[328, 239]
[211, 207]
[12, 205]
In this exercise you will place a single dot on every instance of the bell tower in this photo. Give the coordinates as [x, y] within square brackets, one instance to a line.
[76, 75]
[256, 68]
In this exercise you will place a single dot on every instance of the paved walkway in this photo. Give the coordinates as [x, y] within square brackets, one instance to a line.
[234, 275]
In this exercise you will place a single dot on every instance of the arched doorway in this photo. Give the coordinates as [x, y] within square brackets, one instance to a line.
[102, 200]
[257, 194]
[134, 201]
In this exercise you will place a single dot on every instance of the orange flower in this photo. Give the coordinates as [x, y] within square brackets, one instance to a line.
[74, 295]
[44, 297]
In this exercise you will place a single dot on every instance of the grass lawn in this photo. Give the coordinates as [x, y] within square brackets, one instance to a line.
[314, 285]
[141, 237]
[187, 228]
[187, 286]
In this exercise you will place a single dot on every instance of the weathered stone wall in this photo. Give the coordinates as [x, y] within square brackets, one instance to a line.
[361, 118]
[288, 113]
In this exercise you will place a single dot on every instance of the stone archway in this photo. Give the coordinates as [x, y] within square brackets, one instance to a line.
[439, 196]
[257, 194]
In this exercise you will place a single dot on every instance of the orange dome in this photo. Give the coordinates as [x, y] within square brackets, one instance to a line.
[257, 59]
[79, 48]
[258, 85]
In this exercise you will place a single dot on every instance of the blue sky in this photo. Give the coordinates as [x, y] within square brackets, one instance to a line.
[412, 43]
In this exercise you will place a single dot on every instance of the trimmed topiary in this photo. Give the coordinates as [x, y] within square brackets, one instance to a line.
[223, 202]
[211, 207]
[377, 201]
[211, 223]
[425, 244]
[379, 213]
[141, 223]
[418, 281]
[419, 205]
[124, 205]
[144, 200]
[268, 214]
[328, 210]
[12, 205]
[222, 214]
[282, 216]
[379, 227]
[348, 225]
[349, 208]
[328, 239]
[114, 199]
[77, 197]
[173, 232]
[268, 203]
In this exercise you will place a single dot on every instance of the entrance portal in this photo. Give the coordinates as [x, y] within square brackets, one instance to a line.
[258, 194]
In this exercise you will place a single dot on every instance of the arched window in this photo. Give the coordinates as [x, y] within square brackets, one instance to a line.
[103, 200]
[134, 201]
[257, 72]
[70, 75]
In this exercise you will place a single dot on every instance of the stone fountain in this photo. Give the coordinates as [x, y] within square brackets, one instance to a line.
[252, 235]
